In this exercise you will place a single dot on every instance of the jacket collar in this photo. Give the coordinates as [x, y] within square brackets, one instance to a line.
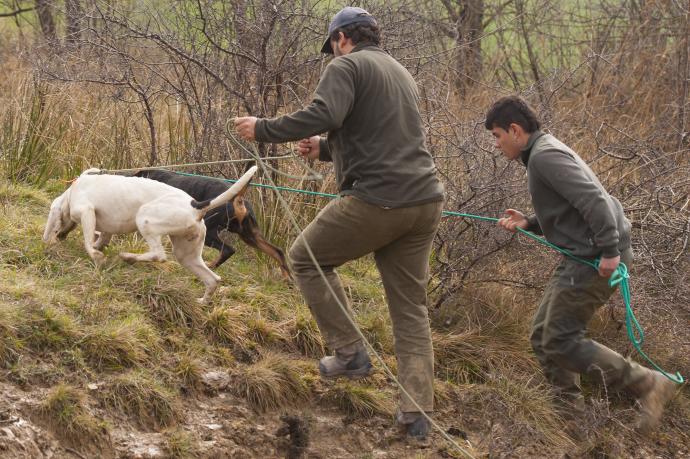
[527, 151]
[364, 45]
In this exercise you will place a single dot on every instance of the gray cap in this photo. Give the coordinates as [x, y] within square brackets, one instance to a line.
[346, 16]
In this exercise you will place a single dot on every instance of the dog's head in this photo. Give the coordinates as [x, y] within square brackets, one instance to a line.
[59, 224]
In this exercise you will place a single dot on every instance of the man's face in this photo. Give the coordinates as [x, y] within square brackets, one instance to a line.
[507, 141]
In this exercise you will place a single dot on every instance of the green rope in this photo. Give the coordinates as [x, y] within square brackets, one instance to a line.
[619, 278]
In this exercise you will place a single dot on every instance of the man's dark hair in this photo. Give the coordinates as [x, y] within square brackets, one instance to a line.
[512, 109]
[359, 33]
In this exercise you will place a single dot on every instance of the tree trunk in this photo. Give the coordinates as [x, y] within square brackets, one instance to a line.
[74, 15]
[469, 51]
[44, 9]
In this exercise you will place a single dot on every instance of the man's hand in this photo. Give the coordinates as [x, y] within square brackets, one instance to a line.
[309, 148]
[512, 220]
[246, 127]
[608, 265]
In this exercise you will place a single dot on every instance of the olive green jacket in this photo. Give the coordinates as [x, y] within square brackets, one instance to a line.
[367, 102]
[572, 208]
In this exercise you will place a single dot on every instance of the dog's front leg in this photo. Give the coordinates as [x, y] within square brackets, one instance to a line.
[88, 225]
[188, 253]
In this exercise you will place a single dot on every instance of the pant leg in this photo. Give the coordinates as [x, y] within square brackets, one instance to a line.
[404, 268]
[566, 383]
[346, 229]
[576, 297]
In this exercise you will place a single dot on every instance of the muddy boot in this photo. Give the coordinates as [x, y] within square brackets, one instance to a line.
[653, 391]
[414, 424]
[351, 361]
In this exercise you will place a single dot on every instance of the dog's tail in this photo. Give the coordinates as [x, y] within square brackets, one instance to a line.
[237, 188]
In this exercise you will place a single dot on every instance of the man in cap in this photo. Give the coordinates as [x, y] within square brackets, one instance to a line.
[390, 203]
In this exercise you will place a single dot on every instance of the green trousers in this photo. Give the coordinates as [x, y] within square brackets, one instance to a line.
[401, 240]
[572, 296]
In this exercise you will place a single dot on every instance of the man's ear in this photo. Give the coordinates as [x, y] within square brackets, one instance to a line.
[515, 129]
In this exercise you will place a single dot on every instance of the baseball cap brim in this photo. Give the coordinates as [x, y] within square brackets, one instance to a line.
[327, 48]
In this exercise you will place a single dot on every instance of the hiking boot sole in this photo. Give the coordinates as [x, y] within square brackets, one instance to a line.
[357, 373]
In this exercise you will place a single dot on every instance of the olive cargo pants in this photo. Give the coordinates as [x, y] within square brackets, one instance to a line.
[572, 296]
[401, 240]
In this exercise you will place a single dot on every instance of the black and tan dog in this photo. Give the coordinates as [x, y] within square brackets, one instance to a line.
[236, 216]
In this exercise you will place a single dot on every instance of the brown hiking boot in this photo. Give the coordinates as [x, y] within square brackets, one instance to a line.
[414, 424]
[653, 392]
[351, 361]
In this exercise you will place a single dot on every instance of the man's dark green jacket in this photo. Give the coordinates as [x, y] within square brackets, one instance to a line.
[368, 104]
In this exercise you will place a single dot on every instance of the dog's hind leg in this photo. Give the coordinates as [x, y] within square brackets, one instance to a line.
[88, 226]
[188, 253]
[156, 251]
[152, 228]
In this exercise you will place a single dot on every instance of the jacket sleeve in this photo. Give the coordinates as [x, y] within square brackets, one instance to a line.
[533, 225]
[567, 177]
[324, 150]
[332, 103]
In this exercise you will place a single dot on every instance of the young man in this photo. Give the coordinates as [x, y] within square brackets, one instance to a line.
[390, 203]
[574, 211]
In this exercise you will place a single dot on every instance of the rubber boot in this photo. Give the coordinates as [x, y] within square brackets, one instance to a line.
[351, 361]
[653, 392]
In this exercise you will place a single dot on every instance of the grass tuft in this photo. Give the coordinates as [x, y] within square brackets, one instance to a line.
[46, 327]
[188, 373]
[360, 400]
[138, 395]
[226, 326]
[168, 303]
[271, 383]
[10, 345]
[264, 331]
[65, 413]
[119, 344]
[181, 445]
[306, 336]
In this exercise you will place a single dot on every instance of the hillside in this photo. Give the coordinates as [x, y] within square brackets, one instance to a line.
[122, 362]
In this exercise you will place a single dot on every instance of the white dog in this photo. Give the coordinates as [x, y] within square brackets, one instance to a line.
[114, 204]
